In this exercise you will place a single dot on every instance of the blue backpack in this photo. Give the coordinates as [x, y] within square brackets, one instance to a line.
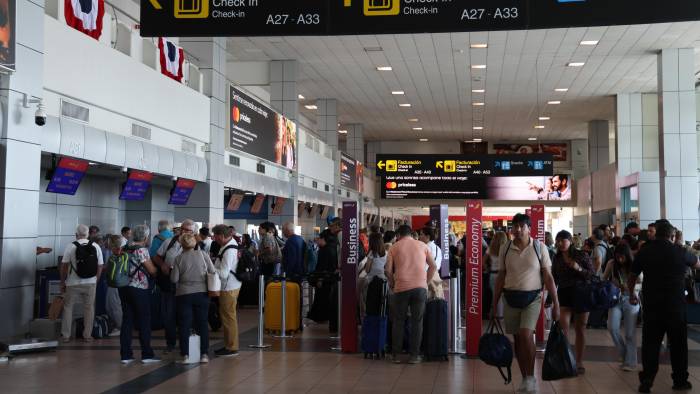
[496, 350]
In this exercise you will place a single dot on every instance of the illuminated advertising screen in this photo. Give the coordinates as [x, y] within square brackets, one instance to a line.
[351, 173]
[136, 186]
[66, 178]
[8, 29]
[257, 130]
[181, 192]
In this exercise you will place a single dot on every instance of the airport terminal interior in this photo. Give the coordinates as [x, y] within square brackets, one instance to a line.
[341, 196]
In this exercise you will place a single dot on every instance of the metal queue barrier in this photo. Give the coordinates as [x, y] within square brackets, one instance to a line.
[283, 329]
[261, 315]
[339, 347]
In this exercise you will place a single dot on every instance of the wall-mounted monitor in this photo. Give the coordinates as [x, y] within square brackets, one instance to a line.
[180, 194]
[136, 186]
[66, 177]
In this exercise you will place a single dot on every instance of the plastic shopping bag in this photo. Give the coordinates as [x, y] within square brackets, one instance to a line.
[559, 361]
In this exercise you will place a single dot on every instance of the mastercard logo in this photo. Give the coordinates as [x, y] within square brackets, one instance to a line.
[236, 114]
[391, 185]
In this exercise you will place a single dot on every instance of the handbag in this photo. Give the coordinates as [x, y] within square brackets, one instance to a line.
[595, 294]
[520, 299]
[213, 280]
[559, 360]
[496, 350]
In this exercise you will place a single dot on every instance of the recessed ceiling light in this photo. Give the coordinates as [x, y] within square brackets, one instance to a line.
[544, 118]
[589, 42]
[342, 131]
[532, 139]
[405, 105]
[398, 92]
[477, 140]
[417, 128]
[311, 107]
[575, 64]
[539, 126]
[374, 49]
[423, 140]
[554, 102]
[478, 66]
[477, 128]
[478, 90]
[561, 90]
[384, 68]
[478, 46]
[413, 120]
[478, 104]
[301, 97]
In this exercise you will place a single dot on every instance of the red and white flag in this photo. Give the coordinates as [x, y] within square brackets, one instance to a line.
[85, 16]
[171, 58]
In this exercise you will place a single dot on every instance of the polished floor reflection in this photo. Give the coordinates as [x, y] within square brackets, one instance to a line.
[304, 364]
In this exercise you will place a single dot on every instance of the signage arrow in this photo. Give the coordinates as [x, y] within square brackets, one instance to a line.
[156, 5]
[380, 165]
[439, 165]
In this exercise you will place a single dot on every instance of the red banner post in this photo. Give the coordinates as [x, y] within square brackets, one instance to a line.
[473, 276]
[537, 231]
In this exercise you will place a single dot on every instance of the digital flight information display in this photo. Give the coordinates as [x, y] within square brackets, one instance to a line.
[67, 176]
[136, 186]
[181, 192]
[488, 177]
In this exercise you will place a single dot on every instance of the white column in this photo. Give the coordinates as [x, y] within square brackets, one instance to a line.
[327, 128]
[580, 159]
[598, 144]
[283, 98]
[207, 201]
[355, 145]
[20, 158]
[678, 144]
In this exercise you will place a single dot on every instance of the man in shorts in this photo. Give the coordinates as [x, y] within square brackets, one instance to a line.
[525, 270]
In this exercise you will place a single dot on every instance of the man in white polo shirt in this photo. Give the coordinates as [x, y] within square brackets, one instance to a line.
[80, 267]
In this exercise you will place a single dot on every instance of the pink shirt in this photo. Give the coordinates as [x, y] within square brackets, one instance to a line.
[407, 259]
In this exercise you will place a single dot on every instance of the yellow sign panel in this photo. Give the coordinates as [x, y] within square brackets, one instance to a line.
[382, 7]
[450, 166]
[392, 166]
[191, 9]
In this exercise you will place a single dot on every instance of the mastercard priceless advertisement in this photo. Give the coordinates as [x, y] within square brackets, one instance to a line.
[257, 130]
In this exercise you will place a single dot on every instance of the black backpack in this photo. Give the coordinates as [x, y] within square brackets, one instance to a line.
[85, 260]
[248, 267]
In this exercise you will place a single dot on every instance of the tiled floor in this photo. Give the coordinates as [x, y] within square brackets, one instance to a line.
[302, 365]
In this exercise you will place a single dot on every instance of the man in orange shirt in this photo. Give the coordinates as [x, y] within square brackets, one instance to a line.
[405, 271]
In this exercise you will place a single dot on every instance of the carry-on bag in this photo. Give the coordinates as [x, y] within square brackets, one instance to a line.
[435, 333]
[559, 360]
[273, 307]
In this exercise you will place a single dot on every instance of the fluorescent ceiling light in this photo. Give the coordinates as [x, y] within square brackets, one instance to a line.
[539, 126]
[554, 102]
[478, 104]
[544, 118]
[301, 97]
[478, 66]
[405, 105]
[413, 120]
[342, 131]
[423, 140]
[561, 90]
[532, 139]
[311, 107]
[589, 42]
[575, 64]
[384, 68]
[477, 140]
[478, 90]
[417, 128]
[478, 46]
[398, 92]
[477, 128]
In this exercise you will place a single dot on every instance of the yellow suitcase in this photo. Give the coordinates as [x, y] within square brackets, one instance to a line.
[273, 307]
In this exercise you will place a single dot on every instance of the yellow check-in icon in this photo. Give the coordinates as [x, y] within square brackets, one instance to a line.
[392, 166]
[191, 9]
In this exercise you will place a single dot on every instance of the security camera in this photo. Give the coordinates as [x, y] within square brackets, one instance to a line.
[40, 115]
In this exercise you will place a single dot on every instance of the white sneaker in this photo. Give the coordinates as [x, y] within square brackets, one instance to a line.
[184, 360]
[127, 361]
[152, 360]
[523, 386]
[627, 368]
[115, 333]
[204, 359]
[531, 385]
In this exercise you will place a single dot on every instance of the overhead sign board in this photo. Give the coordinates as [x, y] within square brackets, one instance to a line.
[194, 18]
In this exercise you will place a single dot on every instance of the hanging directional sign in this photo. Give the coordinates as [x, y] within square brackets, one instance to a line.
[192, 18]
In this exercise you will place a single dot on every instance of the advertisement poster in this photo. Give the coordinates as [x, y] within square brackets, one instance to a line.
[7, 34]
[257, 204]
[234, 202]
[538, 232]
[440, 217]
[473, 276]
[257, 130]
[560, 151]
[351, 173]
[349, 262]
[278, 205]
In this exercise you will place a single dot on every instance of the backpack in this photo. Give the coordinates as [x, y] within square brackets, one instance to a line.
[310, 258]
[162, 279]
[609, 255]
[247, 268]
[85, 260]
[118, 272]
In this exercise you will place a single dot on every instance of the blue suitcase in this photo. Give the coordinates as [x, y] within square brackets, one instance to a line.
[374, 336]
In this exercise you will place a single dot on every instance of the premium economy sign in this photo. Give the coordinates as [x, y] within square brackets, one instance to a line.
[473, 267]
[256, 129]
[191, 18]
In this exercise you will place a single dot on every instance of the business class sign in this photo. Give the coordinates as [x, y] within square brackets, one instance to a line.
[191, 18]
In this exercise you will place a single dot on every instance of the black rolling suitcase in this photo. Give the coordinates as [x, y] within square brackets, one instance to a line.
[374, 325]
[435, 334]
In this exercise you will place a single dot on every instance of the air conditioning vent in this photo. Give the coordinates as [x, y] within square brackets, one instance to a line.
[314, 184]
[327, 188]
[340, 192]
[189, 147]
[74, 111]
[347, 194]
[260, 168]
[141, 131]
[234, 161]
